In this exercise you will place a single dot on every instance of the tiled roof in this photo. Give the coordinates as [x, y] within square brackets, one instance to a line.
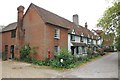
[49, 17]
[11, 26]
[52, 18]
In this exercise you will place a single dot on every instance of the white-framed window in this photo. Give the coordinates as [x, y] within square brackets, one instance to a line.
[57, 33]
[56, 49]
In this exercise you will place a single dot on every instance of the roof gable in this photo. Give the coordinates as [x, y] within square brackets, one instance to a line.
[49, 17]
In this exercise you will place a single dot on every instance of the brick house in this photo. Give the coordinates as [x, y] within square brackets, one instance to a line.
[46, 31]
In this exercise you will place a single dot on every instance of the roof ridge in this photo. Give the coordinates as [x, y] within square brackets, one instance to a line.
[52, 13]
[10, 24]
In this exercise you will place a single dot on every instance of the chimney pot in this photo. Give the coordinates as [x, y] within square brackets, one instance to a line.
[86, 25]
[20, 9]
[20, 15]
[76, 19]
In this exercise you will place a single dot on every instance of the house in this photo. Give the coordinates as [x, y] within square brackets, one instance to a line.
[99, 34]
[48, 32]
[80, 38]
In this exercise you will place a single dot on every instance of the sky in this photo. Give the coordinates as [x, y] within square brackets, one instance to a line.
[88, 10]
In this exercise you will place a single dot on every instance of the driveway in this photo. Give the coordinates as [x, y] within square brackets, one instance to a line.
[105, 67]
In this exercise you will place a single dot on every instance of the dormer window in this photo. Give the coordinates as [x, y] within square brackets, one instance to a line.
[72, 37]
[73, 31]
[57, 33]
[82, 34]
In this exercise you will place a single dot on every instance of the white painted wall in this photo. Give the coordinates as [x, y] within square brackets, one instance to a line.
[69, 43]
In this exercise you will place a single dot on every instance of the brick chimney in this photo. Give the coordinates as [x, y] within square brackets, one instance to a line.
[76, 19]
[86, 25]
[20, 16]
[20, 32]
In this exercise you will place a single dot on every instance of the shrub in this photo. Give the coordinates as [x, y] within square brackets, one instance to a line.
[64, 59]
[89, 52]
[25, 51]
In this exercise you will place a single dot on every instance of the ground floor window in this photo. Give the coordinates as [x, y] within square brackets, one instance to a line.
[56, 49]
[83, 49]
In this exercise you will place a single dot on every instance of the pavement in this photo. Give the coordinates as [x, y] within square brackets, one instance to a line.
[105, 67]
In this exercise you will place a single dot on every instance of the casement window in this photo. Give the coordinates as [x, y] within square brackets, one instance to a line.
[13, 33]
[72, 37]
[56, 49]
[57, 33]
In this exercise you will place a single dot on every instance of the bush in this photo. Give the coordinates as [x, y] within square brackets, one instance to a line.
[25, 51]
[89, 52]
[64, 59]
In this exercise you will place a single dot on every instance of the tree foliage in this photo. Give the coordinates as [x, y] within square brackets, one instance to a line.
[109, 22]
[109, 18]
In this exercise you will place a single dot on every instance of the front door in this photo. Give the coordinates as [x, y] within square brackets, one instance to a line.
[12, 51]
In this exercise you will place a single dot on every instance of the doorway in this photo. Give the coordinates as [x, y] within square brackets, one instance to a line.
[72, 50]
[12, 51]
[6, 52]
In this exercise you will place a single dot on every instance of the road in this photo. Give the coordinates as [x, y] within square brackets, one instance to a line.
[105, 67]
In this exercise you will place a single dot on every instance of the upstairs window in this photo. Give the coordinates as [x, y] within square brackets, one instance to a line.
[72, 37]
[13, 33]
[57, 33]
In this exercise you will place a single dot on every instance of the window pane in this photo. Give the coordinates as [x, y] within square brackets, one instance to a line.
[57, 33]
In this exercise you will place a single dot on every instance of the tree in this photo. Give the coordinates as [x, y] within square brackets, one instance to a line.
[109, 22]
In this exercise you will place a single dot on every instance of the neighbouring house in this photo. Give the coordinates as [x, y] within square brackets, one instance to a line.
[107, 41]
[48, 32]
[99, 34]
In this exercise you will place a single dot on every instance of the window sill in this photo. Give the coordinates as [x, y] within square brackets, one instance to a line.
[57, 38]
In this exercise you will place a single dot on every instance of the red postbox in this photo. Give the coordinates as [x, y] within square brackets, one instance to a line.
[49, 54]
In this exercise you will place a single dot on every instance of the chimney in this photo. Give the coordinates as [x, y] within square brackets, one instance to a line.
[86, 25]
[20, 15]
[76, 19]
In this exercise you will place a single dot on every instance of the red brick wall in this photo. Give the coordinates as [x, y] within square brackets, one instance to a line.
[51, 41]
[41, 35]
[7, 40]
[35, 32]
